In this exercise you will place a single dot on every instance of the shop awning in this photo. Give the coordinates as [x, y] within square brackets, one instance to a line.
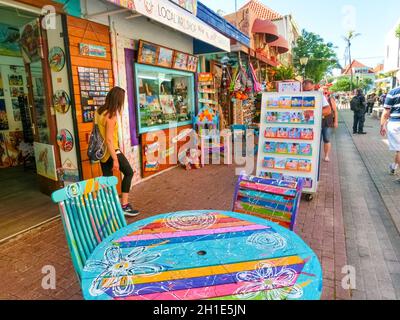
[266, 27]
[220, 24]
[281, 44]
[173, 16]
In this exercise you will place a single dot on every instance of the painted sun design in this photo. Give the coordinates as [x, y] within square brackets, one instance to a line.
[190, 221]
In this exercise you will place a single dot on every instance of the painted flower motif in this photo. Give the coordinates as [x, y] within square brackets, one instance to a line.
[270, 241]
[118, 271]
[270, 283]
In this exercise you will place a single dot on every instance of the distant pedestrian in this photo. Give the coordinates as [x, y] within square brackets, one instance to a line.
[371, 103]
[382, 99]
[358, 106]
[390, 125]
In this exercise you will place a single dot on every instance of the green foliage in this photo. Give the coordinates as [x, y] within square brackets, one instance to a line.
[343, 84]
[322, 56]
[398, 31]
[284, 73]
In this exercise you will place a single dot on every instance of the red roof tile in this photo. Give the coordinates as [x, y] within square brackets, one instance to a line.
[354, 64]
[261, 10]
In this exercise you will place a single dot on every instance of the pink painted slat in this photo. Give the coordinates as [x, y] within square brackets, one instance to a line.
[225, 290]
[191, 233]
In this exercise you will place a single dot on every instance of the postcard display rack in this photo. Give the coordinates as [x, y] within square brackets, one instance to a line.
[290, 138]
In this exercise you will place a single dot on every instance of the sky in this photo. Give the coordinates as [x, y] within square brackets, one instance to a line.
[332, 19]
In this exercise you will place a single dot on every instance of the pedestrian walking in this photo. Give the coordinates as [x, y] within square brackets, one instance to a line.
[114, 159]
[371, 103]
[329, 118]
[358, 106]
[382, 99]
[390, 125]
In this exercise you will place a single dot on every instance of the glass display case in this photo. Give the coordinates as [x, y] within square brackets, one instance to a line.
[165, 98]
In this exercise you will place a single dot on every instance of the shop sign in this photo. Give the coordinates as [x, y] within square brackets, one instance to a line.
[91, 50]
[167, 13]
[205, 77]
[289, 86]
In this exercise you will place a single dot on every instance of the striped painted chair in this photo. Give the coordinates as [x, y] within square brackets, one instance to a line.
[90, 212]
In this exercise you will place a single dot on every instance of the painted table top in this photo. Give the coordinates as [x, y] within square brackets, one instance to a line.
[196, 255]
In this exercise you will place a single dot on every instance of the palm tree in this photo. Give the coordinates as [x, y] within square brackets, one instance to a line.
[351, 35]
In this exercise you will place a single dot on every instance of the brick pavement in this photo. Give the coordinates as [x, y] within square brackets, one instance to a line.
[372, 240]
[320, 223]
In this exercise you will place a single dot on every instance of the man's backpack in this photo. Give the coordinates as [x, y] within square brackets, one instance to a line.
[97, 146]
[355, 104]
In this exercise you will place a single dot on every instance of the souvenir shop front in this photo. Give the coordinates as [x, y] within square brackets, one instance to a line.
[154, 61]
[36, 127]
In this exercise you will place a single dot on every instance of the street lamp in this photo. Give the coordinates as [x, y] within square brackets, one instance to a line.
[304, 62]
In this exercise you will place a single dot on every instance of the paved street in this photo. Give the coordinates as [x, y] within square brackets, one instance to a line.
[369, 206]
[320, 224]
[348, 223]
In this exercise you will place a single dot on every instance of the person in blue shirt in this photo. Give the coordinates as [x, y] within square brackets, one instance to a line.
[390, 125]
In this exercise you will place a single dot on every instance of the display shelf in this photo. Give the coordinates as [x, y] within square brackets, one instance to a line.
[284, 166]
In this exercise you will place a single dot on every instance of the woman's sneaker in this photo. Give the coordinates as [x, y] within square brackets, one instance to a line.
[129, 211]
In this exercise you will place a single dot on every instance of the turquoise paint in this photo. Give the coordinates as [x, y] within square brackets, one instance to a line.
[184, 256]
[71, 7]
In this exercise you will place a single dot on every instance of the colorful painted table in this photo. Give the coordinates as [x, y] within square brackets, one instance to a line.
[203, 255]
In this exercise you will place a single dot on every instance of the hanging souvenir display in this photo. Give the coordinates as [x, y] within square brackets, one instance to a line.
[65, 140]
[56, 59]
[61, 101]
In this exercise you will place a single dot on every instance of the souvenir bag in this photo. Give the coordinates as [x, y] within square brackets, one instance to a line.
[257, 86]
[97, 146]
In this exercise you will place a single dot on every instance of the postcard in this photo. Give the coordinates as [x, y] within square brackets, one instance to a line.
[273, 102]
[269, 162]
[308, 116]
[307, 134]
[292, 164]
[271, 132]
[284, 117]
[272, 116]
[294, 148]
[282, 148]
[309, 102]
[285, 102]
[297, 102]
[294, 133]
[280, 163]
[296, 117]
[282, 133]
[304, 165]
[305, 149]
[270, 147]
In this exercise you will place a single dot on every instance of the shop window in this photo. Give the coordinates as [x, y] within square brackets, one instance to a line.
[164, 98]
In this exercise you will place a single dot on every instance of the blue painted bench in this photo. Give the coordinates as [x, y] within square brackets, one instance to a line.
[90, 212]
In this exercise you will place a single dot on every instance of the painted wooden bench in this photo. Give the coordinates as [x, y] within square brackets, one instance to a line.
[274, 200]
[90, 212]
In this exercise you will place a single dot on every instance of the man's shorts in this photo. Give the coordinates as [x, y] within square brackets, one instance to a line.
[394, 135]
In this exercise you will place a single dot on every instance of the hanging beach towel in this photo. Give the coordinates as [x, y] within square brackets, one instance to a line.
[257, 86]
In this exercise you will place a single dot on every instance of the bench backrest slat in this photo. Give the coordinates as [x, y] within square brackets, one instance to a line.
[90, 212]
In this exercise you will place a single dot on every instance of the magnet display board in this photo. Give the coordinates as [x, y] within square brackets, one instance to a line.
[290, 137]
